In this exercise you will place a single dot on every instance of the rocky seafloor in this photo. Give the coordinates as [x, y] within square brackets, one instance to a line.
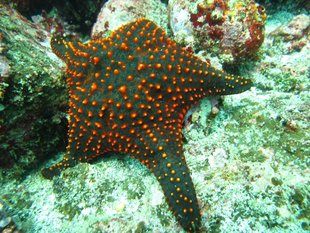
[248, 153]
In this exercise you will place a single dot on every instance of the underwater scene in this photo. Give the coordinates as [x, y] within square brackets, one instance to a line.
[162, 116]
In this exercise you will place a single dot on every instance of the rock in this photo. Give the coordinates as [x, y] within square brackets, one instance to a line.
[77, 15]
[6, 222]
[249, 162]
[111, 17]
[32, 94]
[4, 67]
[231, 29]
[298, 27]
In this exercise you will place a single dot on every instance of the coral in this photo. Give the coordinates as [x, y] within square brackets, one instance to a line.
[232, 29]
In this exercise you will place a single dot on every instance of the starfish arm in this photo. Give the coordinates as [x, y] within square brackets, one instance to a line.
[161, 150]
[174, 177]
[81, 148]
[56, 169]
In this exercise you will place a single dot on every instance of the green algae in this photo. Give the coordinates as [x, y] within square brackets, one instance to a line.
[284, 80]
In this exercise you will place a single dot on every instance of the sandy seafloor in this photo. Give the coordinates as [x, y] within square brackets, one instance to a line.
[249, 164]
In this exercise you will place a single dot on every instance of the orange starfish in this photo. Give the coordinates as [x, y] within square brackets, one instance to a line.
[129, 94]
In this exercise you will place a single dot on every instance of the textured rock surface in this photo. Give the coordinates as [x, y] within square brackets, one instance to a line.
[114, 13]
[32, 94]
[7, 224]
[231, 29]
[249, 164]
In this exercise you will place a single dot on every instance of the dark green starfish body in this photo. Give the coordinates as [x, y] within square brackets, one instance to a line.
[129, 94]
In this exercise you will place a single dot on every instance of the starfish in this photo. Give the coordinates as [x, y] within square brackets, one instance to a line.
[129, 94]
